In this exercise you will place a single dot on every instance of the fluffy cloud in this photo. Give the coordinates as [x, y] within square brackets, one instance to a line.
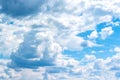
[9, 39]
[93, 35]
[35, 44]
[117, 49]
[106, 32]
[37, 49]
[88, 68]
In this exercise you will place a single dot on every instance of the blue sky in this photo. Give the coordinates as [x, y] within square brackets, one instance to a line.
[59, 40]
[107, 45]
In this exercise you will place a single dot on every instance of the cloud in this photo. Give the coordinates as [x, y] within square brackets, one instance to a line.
[89, 68]
[9, 40]
[93, 35]
[117, 49]
[6, 72]
[37, 49]
[105, 32]
[18, 8]
[35, 44]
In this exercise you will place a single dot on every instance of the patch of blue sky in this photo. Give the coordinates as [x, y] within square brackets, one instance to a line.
[10, 22]
[78, 55]
[108, 44]
[1, 56]
[85, 34]
[115, 19]
[100, 26]
[4, 57]
[112, 40]
[99, 52]
[117, 75]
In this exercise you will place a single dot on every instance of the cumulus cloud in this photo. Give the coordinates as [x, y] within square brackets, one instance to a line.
[117, 49]
[93, 35]
[106, 32]
[89, 68]
[37, 49]
[9, 39]
[35, 45]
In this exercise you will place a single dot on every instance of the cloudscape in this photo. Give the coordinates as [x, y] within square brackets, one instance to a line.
[59, 40]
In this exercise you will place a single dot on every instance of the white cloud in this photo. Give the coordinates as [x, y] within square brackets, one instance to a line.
[117, 49]
[93, 35]
[9, 39]
[107, 31]
[39, 41]
[92, 68]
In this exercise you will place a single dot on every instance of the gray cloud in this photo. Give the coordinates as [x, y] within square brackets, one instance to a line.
[18, 8]
[36, 50]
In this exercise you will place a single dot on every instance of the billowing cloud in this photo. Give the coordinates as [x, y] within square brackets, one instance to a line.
[34, 46]
[106, 32]
[88, 68]
[117, 49]
[37, 49]
[93, 35]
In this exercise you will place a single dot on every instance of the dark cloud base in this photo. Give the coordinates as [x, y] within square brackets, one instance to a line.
[20, 8]
[25, 63]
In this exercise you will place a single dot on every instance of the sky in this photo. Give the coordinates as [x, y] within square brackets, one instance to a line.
[59, 40]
